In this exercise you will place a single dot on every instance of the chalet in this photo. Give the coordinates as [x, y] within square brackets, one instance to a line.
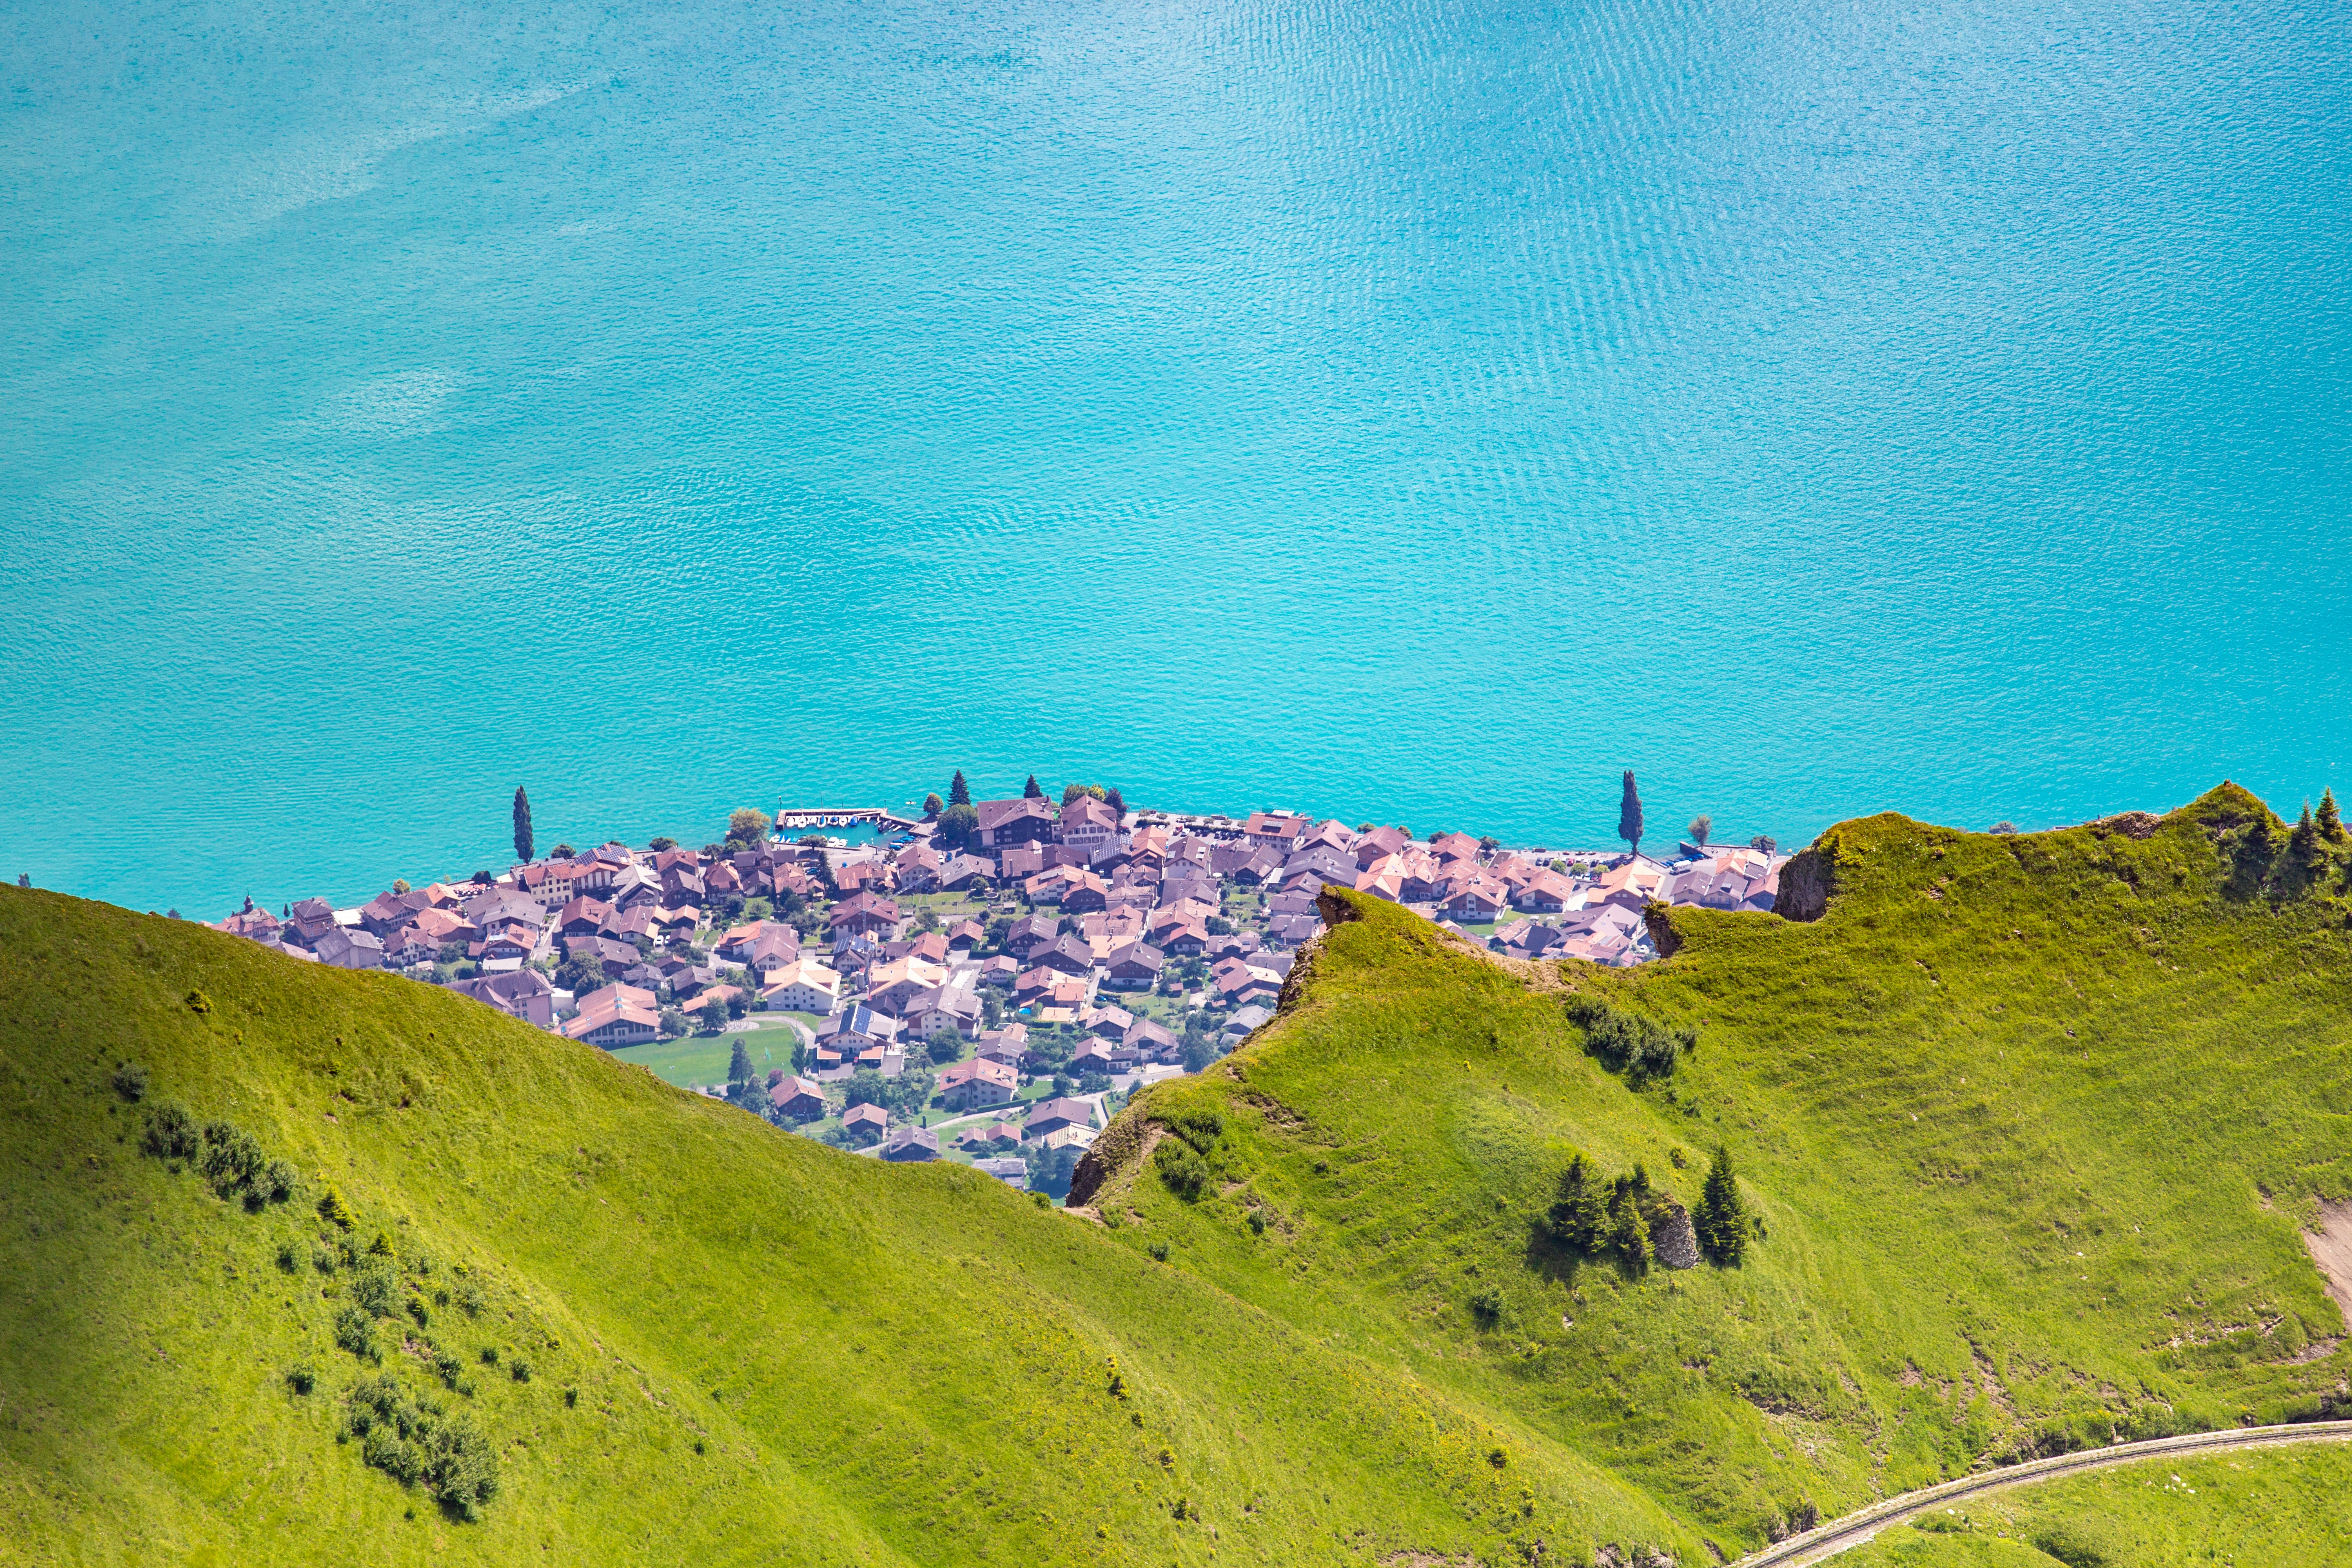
[1547, 893]
[864, 1124]
[1008, 822]
[635, 886]
[1066, 953]
[518, 942]
[1052, 1115]
[1453, 847]
[806, 986]
[1261, 867]
[1088, 823]
[1526, 939]
[1247, 1020]
[969, 1084]
[865, 914]
[408, 947]
[964, 936]
[1333, 835]
[1001, 970]
[1019, 861]
[917, 869]
[857, 1028]
[722, 880]
[857, 875]
[1378, 844]
[614, 957]
[349, 948]
[1275, 830]
[1014, 1173]
[1109, 861]
[524, 994]
[907, 1144]
[963, 871]
[387, 912]
[583, 916]
[1135, 967]
[1031, 934]
[1293, 929]
[1086, 894]
[1327, 864]
[1475, 902]
[1146, 1038]
[1005, 1044]
[736, 946]
[797, 1099]
[310, 920]
[615, 1016]
[1237, 981]
[1109, 1023]
[1148, 849]
[946, 1007]
[253, 924]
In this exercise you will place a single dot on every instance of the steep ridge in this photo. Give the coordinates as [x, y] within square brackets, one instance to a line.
[2031, 1124]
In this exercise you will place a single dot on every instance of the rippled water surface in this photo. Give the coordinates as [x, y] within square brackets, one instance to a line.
[1409, 411]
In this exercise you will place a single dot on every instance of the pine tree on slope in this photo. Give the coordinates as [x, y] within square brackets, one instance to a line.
[1720, 1219]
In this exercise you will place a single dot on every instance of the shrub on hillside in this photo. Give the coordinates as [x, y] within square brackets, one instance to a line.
[377, 1287]
[171, 1133]
[1640, 1048]
[232, 1161]
[130, 1082]
[1577, 1216]
[355, 1331]
[1184, 1172]
[413, 1440]
[1201, 1129]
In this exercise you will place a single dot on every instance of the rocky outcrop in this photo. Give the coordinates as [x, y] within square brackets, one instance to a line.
[1672, 1239]
[1807, 881]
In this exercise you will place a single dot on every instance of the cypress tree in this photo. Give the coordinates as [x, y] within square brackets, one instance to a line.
[738, 1065]
[1629, 814]
[1031, 791]
[959, 792]
[1721, 1220]
[2331, 821]
[1117, 803]
[521, 825]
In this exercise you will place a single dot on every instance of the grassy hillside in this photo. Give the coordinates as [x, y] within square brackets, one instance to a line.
[2284, 1509]
[2031, 1124]
[742, 1346]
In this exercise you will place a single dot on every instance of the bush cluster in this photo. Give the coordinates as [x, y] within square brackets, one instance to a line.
[419, 1441]
[228, 1156]
[1642, 1049]
[1185, 1160]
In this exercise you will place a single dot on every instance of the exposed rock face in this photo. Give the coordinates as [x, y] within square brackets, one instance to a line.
[1674, 1240]
[1659, 919]
[2130, 823]
[1806, 883]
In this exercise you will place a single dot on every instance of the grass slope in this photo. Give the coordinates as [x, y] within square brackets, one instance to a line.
[775, 1351]
[2032, 1124]
[2284, 1509]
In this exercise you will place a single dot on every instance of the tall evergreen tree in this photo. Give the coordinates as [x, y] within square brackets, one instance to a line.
[1031, 791]
[959, 792]
[2331, 821]
[521, 825]
[1629, 814]
[2303, 845]
[1117, 804]
[1720, 1219]
[1629, 1233]
[1577, 1219]
[739, 1065]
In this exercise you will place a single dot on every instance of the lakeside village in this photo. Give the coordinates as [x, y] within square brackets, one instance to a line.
[986, 984]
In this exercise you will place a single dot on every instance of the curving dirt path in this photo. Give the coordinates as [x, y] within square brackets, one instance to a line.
[1829, 1540]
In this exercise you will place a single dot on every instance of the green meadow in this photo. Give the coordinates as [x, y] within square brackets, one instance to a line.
[2030, 1125]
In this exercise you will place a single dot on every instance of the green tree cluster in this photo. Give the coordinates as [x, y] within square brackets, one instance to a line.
[747, 826]
[1642, 1049]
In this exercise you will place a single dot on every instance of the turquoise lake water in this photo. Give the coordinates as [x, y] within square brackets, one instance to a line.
[1417, 412]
